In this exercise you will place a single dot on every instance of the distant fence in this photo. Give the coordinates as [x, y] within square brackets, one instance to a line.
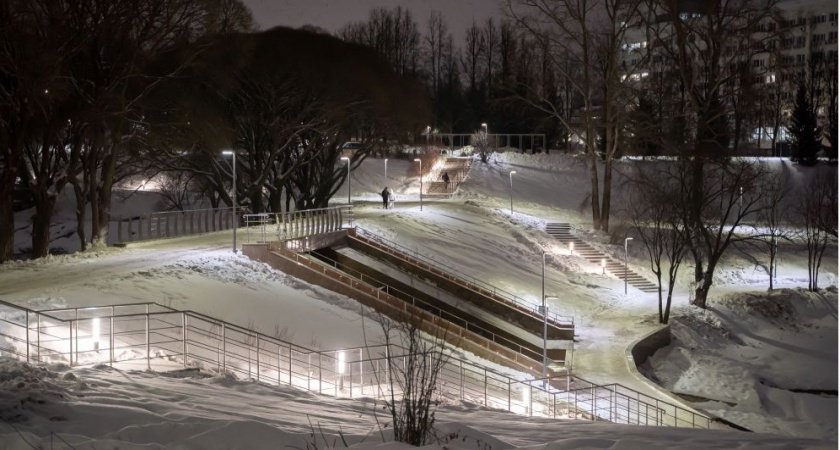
[159, 225]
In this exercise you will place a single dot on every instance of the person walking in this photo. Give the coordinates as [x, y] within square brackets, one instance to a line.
[446, 180]
[385, 195]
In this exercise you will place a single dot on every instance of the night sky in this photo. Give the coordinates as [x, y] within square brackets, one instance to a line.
[333, 14]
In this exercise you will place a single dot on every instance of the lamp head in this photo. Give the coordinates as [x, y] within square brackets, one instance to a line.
[345, 158]
[227, 152]
[416, 159]
[512, 172]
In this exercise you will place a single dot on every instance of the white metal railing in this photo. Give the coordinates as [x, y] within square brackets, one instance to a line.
[166, 224]
[163, 338]
[487, 289]
[297, 224]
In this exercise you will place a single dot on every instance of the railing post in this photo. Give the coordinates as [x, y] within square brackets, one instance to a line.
[485, 388]
[224, 348]
[184, 336]
[38, 337]
[319, 374]
[258, 358]
[77, 339]
[71, 341]
[111, 338]
[148, 345]
[27, 335]
[290, 364]
[510, 388]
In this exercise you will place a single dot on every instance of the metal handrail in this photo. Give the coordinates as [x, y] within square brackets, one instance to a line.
[260, 352]
[561, 322]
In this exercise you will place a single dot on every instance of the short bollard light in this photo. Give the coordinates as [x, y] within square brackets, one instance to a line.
[603, 266]
[571, 248]
[526, 398]
[340, 368]
[95, 334]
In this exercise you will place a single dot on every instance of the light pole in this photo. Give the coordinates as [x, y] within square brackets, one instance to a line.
[428, 132]
[486, 135]
[511, 191]
[421, 181]
[625, 263]
[386, 169]
[346, 158]
[235, 217]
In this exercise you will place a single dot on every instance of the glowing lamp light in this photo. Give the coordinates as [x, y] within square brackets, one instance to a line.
[526, 397]
[572, 248]
[604, 265]
[340, 363]
[95, 333]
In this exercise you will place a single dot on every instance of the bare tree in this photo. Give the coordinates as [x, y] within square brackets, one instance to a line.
[656, 220]
[474, 49]
[817, 212]
[481, 144]
[412, 378]
[771, 223]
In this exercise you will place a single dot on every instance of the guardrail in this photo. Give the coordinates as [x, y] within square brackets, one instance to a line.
[559, 321]
[297, 224]
[167, 224]
[165, 338]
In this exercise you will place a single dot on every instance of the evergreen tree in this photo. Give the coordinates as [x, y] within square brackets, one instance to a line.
[803, 128]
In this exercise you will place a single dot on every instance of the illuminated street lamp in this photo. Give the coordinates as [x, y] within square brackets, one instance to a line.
[626, 240]
[235, 217]
[511, 191]
[386, 169]
[345, 158]
[421, 181]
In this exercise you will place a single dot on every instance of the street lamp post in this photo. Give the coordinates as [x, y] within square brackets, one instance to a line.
[346, 158]
[428, 133]
[511, 191]
[386, 169]
[625, 263]
[421, 181]
[235, 217]
[486, 134]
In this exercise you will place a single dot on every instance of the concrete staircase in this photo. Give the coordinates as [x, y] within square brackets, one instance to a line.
[457, 168]
[563, 233]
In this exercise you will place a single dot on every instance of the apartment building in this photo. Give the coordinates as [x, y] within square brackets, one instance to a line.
[776, 52]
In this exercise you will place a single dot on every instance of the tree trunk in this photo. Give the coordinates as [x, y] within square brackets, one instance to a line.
[81, 204]
[41, 225]
[7, 214]
[605, 208]
[593, 178]
[702, 291]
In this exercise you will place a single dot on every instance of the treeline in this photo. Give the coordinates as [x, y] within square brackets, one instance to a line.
[94, 92]
[475, 78]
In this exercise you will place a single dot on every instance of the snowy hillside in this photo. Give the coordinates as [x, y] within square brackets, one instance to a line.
[473, 231]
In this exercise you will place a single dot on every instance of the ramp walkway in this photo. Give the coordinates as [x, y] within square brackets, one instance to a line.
[563, 233]
[439, 302]
[484, 295]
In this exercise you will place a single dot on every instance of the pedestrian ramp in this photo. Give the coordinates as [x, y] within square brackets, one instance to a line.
[563, 232]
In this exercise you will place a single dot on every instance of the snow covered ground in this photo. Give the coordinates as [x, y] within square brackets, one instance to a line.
[474, 231]
[99, 407]
[766, 361]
